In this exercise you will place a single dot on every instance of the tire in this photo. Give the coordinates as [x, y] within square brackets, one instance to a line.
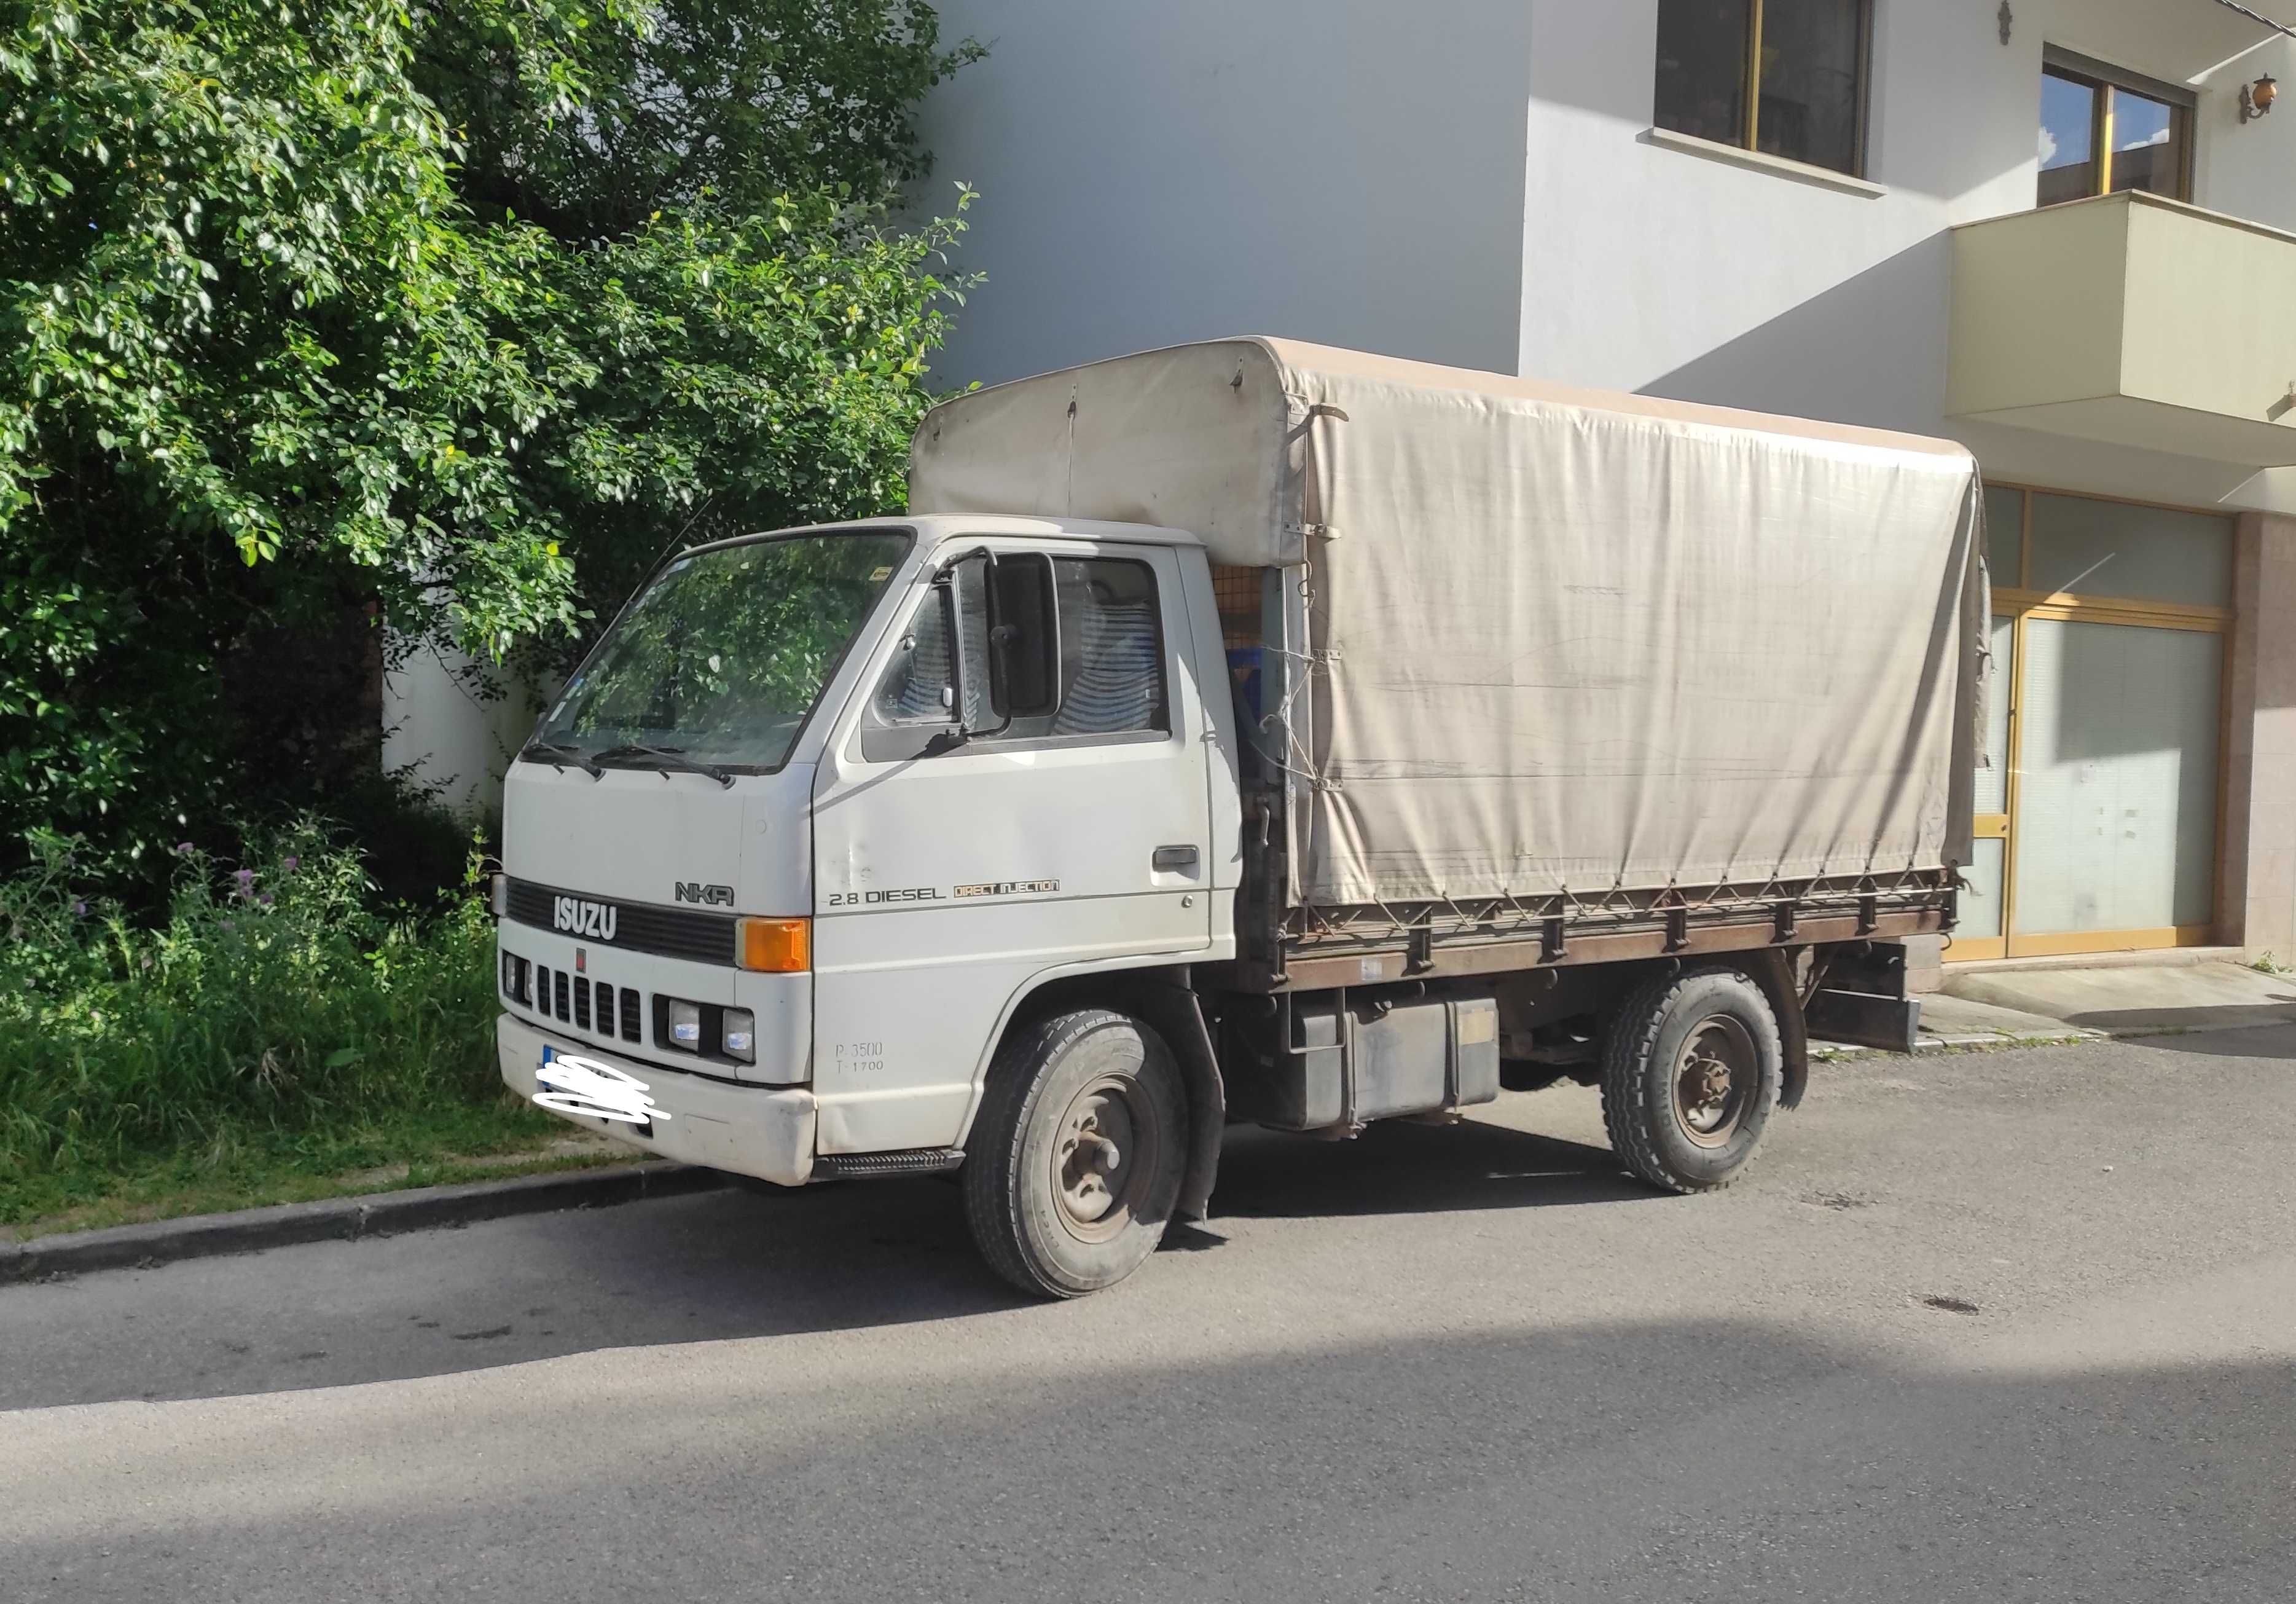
[1075, 1158]
[1692, 1064]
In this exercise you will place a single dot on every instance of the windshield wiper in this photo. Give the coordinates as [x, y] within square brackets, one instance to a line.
[558, 755]
[668, 757]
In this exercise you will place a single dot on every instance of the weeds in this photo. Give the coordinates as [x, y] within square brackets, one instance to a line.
[277, 1018]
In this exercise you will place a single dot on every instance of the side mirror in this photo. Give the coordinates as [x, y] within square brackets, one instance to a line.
[1021, 653]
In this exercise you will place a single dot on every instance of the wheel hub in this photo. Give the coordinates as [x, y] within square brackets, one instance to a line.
[1714, 1080]
[1093, 1158]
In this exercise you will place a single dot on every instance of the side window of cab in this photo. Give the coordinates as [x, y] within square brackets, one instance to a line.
[1051, 651]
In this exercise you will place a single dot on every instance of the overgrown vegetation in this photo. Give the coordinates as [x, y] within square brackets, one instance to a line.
[325, 323]
[273, 1019]
[328, 329]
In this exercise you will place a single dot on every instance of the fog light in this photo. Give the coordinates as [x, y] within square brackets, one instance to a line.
[685, 1025]
[741, 1035]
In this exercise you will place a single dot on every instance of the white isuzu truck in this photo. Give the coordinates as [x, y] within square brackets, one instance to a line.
[1254, 732]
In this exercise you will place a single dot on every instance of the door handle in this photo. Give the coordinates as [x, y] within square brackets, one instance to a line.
[1171, 860]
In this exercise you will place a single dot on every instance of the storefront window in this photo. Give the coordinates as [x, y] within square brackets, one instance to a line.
[2095, 808]
[2129, 552]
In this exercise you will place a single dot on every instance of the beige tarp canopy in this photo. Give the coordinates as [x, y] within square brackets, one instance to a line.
[1555, 640]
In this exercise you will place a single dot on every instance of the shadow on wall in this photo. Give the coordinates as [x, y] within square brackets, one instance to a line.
[1348, 172]
[1871, 350]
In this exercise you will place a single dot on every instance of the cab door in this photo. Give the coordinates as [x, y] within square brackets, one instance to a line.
[1069, 826]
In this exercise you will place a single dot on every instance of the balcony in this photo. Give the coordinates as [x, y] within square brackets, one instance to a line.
[2131, 320]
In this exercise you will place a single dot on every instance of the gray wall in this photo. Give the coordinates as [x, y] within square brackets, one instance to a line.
[1348, 172]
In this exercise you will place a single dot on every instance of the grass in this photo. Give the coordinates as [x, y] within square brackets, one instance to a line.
[498, 1144]
[277, 1037]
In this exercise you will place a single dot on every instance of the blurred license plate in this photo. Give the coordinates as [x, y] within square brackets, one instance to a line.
[594, 1088]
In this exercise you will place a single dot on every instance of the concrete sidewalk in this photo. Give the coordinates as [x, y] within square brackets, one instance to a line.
[1995, 1006]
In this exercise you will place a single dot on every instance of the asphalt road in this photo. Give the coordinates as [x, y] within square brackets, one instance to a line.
[2000, 1328]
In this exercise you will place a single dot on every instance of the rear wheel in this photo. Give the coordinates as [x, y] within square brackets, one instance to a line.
[1690, 1068]
[1075, 1158]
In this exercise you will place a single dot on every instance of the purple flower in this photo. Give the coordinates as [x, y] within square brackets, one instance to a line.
[265, 898]
[290, 864]
[80, 910]
[245, 878]
[182, 849]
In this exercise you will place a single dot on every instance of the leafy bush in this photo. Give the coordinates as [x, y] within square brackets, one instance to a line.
[321, 317]
[274, 1009]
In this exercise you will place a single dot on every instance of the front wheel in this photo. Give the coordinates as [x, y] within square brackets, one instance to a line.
[1691, 1069]
[1075, 1158]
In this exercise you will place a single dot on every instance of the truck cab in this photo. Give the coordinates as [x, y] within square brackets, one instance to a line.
[827, 808]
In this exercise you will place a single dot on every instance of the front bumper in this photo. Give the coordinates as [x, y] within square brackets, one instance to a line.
[747, 1129]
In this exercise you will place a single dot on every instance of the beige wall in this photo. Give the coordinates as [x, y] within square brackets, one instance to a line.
[2257, 886]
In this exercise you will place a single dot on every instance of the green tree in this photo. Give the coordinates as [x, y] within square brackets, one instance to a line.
[744, 101]
[304, 335]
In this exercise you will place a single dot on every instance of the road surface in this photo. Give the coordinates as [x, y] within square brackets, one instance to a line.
[2001, 1327]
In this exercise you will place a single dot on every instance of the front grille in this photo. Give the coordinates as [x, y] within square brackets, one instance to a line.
[638, 926]
[587, 1005]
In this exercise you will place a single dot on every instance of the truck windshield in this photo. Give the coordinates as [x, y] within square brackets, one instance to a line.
[721, 658]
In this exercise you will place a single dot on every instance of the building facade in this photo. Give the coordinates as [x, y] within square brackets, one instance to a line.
[2051, 229]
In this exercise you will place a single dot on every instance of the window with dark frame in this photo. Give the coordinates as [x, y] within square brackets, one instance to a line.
[1786, 77]
[1083, 656]
[2104, 130]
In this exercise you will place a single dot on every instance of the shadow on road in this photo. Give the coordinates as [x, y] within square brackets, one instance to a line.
[1395, 1168]
[1707, 1458]
[2203, 1031]
[721, 1265]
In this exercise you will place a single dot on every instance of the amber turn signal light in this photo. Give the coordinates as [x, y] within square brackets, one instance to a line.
[775, 946]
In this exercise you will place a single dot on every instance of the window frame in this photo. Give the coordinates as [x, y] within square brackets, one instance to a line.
[662, 565]
[2101, 78]
[1750, 79]
[884, 740]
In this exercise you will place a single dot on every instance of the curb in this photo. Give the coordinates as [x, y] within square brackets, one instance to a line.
[348, 1218]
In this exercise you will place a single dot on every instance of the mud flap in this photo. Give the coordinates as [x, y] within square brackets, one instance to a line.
[1861, 1019]
[1179, 1019]
[1772, 971]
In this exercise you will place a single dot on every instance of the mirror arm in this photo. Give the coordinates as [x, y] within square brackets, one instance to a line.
[956, 735]
[1000, 645]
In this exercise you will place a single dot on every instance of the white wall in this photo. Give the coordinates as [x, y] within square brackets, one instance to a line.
[1348, 172]
[2250, 169]
[436, 728]
[1649, 268]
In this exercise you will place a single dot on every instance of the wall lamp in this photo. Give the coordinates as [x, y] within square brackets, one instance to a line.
[2256, 99]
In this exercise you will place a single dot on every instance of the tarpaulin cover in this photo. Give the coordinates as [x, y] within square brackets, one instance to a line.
[1561, 640]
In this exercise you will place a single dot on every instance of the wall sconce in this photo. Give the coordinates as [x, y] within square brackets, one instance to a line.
[2256, 99]
[2008, 21]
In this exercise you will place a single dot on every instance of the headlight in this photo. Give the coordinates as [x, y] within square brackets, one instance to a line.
[515, 971]
[685, 1025]
[741, 1035]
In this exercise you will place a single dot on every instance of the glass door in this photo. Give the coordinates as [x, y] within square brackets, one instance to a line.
[2098, 802]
